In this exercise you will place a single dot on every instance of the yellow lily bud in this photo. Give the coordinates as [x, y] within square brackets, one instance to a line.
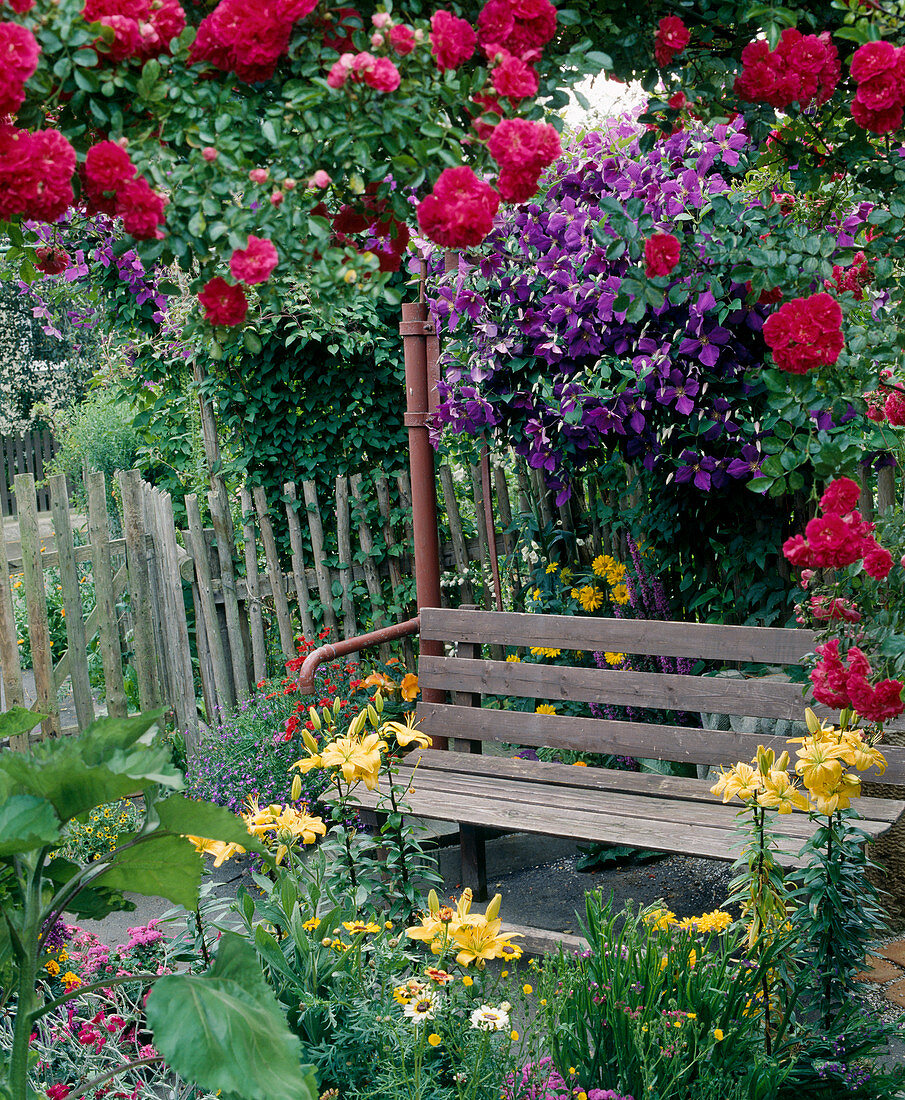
[315, 718]
[493, 907]
[357, 723]
[812, 721]
[378, 702]
[296, 789]
[336, 705]
[433, 902]
[310, 743]
[782, 764]
[373, 716]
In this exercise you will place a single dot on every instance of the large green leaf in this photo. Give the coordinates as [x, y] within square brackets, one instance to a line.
[161, 866]
[93, 902]
[224, 1030]
[27, 822]
[191, 816]
[18, 720]
[108, 761]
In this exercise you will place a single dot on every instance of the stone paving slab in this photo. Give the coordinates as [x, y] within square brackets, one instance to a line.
[886, 971]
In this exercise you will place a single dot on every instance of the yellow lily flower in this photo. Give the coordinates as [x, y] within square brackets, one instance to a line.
[406, 734]
[217, 848]
[780, 793]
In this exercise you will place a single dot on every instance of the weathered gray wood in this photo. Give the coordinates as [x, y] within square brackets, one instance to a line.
[136, 545]
[61, 668]
[36, 603]
[344, 551]
[404, 485]
[184, 700]
[50, 558]
[72, 602]
[299, 573]
[369, 567]
[543, 941]
[681, 744]
[10, 666]
[382, 489]
[107, 628]
[222, 694]
[316, 529]
[712, 695]
[205, 663]
[223, 532]
[886, 489]
[275, 572]
[253, 589]
[542, 497]
[477, 492]
[766, 645]
[524, 486]
[457, 536]
[504, 509]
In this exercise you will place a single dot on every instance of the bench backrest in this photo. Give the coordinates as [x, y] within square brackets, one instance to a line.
[465, 676]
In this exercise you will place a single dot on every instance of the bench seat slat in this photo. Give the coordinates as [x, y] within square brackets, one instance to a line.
[761, 698]
[710, 641]
[645, 740]
[649, 785]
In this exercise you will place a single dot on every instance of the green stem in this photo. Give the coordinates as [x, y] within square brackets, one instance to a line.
[28, 966]
[827, 962]
[96, 1081]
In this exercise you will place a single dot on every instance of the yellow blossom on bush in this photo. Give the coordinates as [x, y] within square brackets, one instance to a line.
[545, 708]
[357, 927]
[409, 689]
[590, 597]
[659, 919]
[406, 733]
[540, 651]
[743, 781]
[551, 567]
[52, 967]
[614, 658]
[619, 594]
[718, 920]
[513, 658]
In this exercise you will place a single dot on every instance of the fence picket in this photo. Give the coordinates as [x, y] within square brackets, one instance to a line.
[223, 528]
[344, 545]
[253, 589]
[368, 565]
[36, 602]
[457, 536]
[105, 601]
[72, 602]
[135, 534]
[275, 570]
[299, 574]
[316, 529]
[382, 489]
[477, 494]
[10, 667]
[405, 502]
[206, 604]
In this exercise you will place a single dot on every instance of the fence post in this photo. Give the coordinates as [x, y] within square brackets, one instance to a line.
[366, 542]
[277, 582]
[207, 607]
[36, 602]
[253, 589]
[344, 550]
[223, 532]
[324, 587]
[108, 631]
[13, 695]
[457, 537]
[72, 602]
[886, 489]
[135, 532]
[299, 575]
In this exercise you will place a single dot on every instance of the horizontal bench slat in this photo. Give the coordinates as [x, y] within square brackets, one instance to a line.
[698, 840]
[647, 784]
[645, 740]
[710, 641]
[760, 698]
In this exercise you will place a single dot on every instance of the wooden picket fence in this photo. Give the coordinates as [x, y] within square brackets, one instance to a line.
[194, 618]
[28, 453]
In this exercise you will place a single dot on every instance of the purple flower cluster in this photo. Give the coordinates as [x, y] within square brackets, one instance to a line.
[552, 346]
[541, 1081]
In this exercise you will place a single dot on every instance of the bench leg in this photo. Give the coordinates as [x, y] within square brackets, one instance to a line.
[474, 863]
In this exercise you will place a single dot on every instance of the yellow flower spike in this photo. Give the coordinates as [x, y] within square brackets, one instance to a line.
[315, 718]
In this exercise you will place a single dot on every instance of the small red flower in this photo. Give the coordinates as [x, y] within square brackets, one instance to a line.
[224, 304]
[671, 38]
[661, 255]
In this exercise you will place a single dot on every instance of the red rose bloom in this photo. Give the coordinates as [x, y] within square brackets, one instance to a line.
[805, 333]
[21, 7]
[661, 254]
[878, 68]
[19, 51]
[522, 29]
[841, 496]
[873, 59]
[802, 69]
[36, 177]
[894, 408]
[224, 304]
[459, 212]
[126, 41]
[254, 263]
[141, 209]
[513, 78]
[382, 76]
[51, 260]
[826, 609]
[108, 166]
[878, 122]
[797, 552]
[516, 143]
[672, 37]
[453, 40]
[877, 562]
[402, 39]
[832, 541]
[875, 704]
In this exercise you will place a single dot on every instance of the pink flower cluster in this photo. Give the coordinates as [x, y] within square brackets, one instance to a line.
[248, 38]
[36, 169]
[255, 263]
[847, 687]
[878, 68]
[803, 69]
[523, 150]
[852, 279]
[671, 38]
[840, 536]
[142, 29]
[540, 1080]
[224, 303]
[830, 609]
[887, 403]
[111, 186]
[459, 212]
[452, 40]
[379, 73]
[19, 51]
[805, 333]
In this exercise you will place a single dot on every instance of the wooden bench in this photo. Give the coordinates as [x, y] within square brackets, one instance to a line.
[645, 809]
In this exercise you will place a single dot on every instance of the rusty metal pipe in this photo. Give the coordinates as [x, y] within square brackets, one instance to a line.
[351, 645]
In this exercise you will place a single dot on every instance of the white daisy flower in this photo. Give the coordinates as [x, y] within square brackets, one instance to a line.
[488, 1018]
[421, 1007]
